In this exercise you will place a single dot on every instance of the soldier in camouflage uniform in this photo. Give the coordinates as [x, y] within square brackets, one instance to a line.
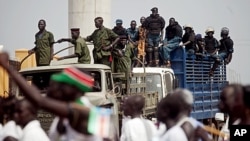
[104, 39]
[44, 45]
[81, 48]
[123, 55]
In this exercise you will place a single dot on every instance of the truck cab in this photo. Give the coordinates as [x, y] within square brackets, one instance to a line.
[158, 79]
[102, 95]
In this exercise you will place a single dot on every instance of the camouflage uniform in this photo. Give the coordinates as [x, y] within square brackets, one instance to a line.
[122, 62]
[102, 37]
[43, 43]
[82, 50]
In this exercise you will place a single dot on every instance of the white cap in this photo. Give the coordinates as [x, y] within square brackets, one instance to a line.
[219, 116]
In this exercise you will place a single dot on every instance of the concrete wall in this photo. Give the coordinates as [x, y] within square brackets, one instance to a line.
[82, 14]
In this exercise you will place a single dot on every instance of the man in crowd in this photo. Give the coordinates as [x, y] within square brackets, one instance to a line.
[65, 100]
[154, 25]
[81, 48]
[225, 50]
[25, 116]
[174, 110]
[145, 129]
[43, 45]
[103, 39]
[231, 100]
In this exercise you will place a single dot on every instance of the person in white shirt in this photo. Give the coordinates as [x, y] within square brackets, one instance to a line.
[137, 128]
[174, 111]
[25, 116]
[10, 130]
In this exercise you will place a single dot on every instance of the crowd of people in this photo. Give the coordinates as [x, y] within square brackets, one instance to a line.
[119, 47]
[77, 119]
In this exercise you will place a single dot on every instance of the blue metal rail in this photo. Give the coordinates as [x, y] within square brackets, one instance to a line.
[193, 75]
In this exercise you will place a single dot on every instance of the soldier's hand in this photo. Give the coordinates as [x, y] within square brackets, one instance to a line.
[4, 59]
[61, 58]
[31, 51]
[59, 41]
[106, 48]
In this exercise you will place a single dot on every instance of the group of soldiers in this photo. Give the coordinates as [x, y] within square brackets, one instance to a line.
[119, 47]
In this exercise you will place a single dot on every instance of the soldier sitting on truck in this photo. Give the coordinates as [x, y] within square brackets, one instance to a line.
[65, 100]
[211, 43]
[172, 40]
[225, 50]
[188, 40]
[200, 46]
[81, 48]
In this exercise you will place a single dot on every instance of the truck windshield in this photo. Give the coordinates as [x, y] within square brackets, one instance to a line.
[42, 79]
[153, 83]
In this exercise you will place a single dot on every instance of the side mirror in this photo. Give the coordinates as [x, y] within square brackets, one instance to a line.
[117, 89]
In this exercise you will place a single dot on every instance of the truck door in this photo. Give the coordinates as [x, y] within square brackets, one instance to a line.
[169, 82]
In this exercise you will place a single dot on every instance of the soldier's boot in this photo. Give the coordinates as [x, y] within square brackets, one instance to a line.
[156, 56]
[150, 56]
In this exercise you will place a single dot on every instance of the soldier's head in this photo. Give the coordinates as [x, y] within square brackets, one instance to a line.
[142, 19]
[163, 110]
[75, 32]
[70, 84]
[209, 31]
[154, 11]
[133, 105]
[224, 32]
[41, 24]
[98, 22]
[186, 98]
[188, 28]
[231, 98]
[123, 40]
[171, 21]
[24, 112]
[133, 24]
[119, 22]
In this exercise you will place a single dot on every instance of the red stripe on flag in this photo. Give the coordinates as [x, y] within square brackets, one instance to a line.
[80, 76]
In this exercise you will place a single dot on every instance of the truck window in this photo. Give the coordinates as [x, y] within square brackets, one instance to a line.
[109, 85]
[42, 79]
[97, 81]
[153, 83]
[169, 82]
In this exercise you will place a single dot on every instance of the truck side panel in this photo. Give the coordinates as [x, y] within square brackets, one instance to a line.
[193, 75]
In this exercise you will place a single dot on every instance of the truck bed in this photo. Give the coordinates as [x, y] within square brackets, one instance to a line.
[193, 75]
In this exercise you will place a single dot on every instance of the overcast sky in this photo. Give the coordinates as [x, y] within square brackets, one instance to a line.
[18, 22]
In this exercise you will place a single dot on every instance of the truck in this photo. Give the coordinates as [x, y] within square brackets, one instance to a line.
[193, 74]
[153, 83]
[108, 90]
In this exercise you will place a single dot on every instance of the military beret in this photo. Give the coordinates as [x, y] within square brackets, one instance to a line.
[75, 29]
[118, 21]
[154, 9]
